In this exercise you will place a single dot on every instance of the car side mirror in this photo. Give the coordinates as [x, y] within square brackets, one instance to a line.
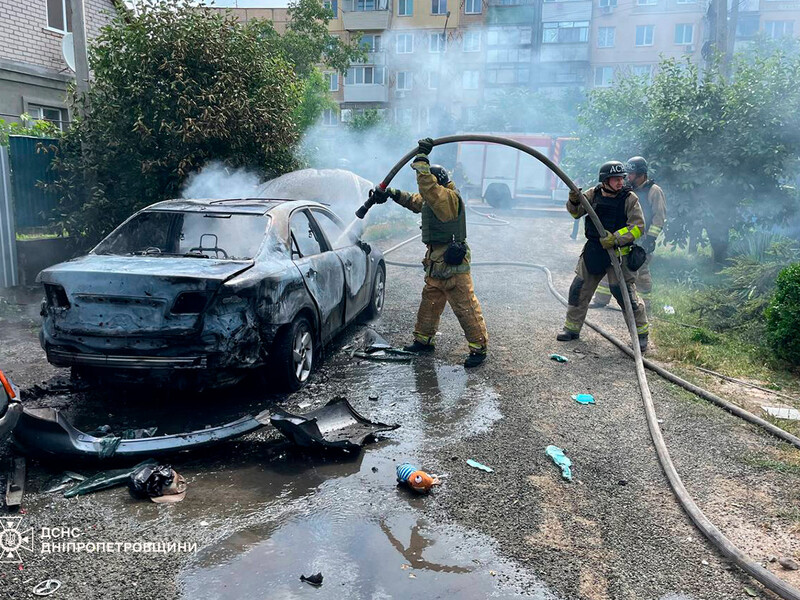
[364, 246]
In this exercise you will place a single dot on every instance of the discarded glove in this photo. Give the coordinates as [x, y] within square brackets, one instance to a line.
[559, 358]
[609, 241]
[583, 398]
[425, 145]
[417, 480]
[558, 456]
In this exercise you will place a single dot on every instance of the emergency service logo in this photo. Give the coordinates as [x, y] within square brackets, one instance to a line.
[13, 539]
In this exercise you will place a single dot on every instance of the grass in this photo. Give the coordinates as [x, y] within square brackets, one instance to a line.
[779, 466]
[684, 337]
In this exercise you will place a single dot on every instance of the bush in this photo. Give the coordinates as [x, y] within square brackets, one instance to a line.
[783, 315]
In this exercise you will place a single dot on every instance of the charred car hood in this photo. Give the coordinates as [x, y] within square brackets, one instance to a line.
[134, 295]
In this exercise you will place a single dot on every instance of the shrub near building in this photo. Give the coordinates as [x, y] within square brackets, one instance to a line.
[783, 315]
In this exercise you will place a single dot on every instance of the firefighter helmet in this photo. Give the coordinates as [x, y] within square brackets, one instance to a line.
[441, 174]
[636, 165]
[612, 168]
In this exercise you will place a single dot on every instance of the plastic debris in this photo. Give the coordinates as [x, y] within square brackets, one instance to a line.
[315, 580]
[559, 358]
[475, 464]
[670, 310]
[160, 483]
[781, 412]
[583, 398]
[46, 587]
[135, 434]
[558, 456]
[104, 480]
[374, 347]
[417, 480]
[66, 480]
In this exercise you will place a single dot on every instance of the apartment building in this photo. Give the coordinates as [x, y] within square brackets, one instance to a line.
[33, 74]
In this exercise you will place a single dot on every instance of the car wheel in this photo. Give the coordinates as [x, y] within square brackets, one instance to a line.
[498, 195]
[375, 306]
[294, 354]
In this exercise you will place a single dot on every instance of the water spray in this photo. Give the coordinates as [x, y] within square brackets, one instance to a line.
[715, 536]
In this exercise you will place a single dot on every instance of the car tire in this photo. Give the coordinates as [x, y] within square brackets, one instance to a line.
[294, 355]
[498, 195]
[378, 297]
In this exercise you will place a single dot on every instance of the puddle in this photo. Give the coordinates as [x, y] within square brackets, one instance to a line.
[298, 514]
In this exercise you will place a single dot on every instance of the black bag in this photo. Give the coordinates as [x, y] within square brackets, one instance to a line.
[150, 480]
[455, 253]
[595, 257]
[636, 258]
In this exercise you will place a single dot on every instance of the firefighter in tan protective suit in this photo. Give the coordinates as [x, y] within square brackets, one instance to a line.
[654, 206]
[447, 271]
[618, 209]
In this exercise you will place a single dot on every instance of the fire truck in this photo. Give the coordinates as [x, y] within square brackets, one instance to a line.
[503, 177]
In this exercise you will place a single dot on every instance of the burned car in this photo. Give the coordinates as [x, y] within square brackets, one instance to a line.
[199, 292]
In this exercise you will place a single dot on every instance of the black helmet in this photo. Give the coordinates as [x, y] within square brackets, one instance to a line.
[612, 168]
[441, 174]
[637, 165]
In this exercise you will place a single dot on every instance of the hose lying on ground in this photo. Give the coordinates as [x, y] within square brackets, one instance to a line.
[723, 544]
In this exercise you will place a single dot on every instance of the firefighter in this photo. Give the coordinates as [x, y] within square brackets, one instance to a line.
[654, 206]
[618, 209]
[447, 271]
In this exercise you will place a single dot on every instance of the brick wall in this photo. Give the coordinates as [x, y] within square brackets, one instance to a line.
[26, 38]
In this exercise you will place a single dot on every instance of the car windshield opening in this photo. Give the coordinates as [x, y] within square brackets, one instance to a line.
[223, 236]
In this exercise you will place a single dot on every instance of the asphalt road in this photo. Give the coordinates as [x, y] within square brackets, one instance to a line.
[260, 513]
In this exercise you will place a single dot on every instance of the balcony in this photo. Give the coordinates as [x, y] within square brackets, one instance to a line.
[567, 11]
[564, 52]
[373, 58]
[366, 15]
[366, 93]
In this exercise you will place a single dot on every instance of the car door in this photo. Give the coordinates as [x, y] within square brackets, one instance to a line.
[353, 257]
[322, 271]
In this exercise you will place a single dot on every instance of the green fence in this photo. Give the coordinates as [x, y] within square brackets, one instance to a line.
[30, 165]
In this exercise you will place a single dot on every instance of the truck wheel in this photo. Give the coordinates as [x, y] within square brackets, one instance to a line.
[498, 195]
[375, 306]
[294, 355]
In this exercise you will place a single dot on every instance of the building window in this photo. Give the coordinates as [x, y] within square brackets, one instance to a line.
[332, 6]
[405, 43]
[509, 36]
[433, 80]
[644, 35]
[333, 81]
[364, 76]
[603, 76]
[747, 27]
[778, 29]
[505, 55]
[605, 37]
[51, 114]
[405, 8]
[565, 32]
[405, 80]
[329, 117]
[472, 41]
[645, 71]
[370, 42]
[607, 3]
[436, 42]
[684, 33]
[473, 7]
[469, 80]
[686, 2]
[403, 116]
[59, 15]
[508, 75]
[646, 2]
[438, 7]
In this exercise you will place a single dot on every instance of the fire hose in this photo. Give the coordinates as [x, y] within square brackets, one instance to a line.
[714, 535]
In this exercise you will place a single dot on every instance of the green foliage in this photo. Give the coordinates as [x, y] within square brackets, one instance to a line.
[366, 120]
[783, 315]
[723, 150]
[174, 87]
[746, 285]
[315, 99]
[28, 126]
[525, 111]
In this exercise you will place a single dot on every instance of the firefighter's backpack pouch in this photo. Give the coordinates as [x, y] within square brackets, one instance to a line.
[595, 257]
[455, 253]
[636, 258]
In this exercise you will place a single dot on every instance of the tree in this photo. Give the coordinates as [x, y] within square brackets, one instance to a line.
[27, 126]
[176, 85]
[524, 111]
[725, 151]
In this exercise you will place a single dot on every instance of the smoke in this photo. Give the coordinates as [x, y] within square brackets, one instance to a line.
[218, 182]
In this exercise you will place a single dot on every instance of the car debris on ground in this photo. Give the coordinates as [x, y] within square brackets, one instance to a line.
[374, 347]
[335, 426]
[160, 483]
[315, 580]
[105, 480]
